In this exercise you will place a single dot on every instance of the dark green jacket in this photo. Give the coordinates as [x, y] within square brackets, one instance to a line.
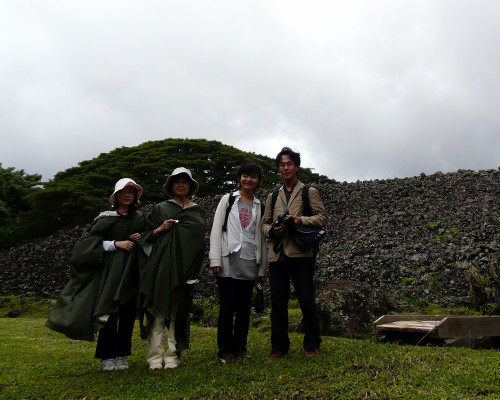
[100, 281]
[175, 257]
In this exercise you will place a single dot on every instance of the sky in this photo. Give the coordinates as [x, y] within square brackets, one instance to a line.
[362, 89]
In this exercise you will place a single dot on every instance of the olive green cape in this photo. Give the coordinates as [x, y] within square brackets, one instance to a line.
[175, 257]
[100, 281]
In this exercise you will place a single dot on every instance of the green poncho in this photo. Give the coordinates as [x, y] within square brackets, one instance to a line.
[100, 281]
[175, 257]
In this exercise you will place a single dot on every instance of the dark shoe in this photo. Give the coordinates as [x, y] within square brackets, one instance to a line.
[242, 354]
[275, 355]
[312, 353]
[227, 358]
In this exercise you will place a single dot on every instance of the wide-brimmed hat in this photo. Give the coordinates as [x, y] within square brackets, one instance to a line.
[121, 184]
[167, 187]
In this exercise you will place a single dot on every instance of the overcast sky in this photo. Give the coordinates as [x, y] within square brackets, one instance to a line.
[363, 89]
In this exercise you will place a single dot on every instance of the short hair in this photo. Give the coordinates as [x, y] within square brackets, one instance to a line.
[287, 151]
[252, 170]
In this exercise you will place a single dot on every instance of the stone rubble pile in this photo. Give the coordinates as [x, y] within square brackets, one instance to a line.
[412, 238]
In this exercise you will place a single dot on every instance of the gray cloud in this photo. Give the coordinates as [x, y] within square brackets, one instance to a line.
[363, 89]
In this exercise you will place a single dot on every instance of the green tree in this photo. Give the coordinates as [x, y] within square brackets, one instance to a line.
[15, 185]
[77, 194]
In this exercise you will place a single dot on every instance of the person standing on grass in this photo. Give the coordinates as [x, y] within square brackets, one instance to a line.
[289, 262]
[101, 295]
[238, 257]
[174, 241]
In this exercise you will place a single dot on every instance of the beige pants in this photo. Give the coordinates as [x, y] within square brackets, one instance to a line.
[156, 342]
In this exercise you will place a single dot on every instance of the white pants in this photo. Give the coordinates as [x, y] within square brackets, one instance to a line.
[156, 342]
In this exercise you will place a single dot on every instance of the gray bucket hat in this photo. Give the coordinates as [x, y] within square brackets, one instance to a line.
[167, 187]
[121, 184]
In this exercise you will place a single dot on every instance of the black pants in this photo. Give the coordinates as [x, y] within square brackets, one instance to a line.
[235, 298]
[115, 338]
[300, 271]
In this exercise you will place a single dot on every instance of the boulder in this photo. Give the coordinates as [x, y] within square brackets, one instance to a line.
[348, 308]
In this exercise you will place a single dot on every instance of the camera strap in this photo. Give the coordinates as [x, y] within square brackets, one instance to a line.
[278, 245]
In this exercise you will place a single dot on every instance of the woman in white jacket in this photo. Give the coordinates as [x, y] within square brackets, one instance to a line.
[238, 257]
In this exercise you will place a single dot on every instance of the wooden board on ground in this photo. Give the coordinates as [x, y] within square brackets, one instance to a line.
[441, 327]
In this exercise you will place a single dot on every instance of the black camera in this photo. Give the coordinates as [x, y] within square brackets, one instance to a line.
[284, 219]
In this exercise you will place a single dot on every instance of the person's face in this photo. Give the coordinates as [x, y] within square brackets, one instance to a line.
[287, 168]
[127, 196]
[249, 182]
[181, 186]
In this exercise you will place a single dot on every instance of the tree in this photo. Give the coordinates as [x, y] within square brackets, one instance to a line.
[77, 194]
[14, 187]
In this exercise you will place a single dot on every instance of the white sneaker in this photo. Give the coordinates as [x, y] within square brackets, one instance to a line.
[172, 362]
[155, 366]
[121, 363]
[108, 365]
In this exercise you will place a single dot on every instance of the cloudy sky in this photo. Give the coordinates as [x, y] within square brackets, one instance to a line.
[363, 89]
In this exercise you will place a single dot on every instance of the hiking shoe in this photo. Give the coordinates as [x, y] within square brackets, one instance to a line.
[275, 355]
[121, 363]
[108, 365]
[312, 353]
[227, 358]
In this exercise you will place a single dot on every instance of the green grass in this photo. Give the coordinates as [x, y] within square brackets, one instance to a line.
[36, 363]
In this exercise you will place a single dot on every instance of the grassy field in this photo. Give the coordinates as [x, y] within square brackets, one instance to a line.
[36, 363]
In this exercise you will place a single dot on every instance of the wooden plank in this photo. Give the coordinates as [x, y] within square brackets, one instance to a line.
[392, 318]
[409, 326]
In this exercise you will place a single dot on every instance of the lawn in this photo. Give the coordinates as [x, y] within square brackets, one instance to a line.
[36, 363]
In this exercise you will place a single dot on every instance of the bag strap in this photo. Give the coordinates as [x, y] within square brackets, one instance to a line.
[274, 197]
[230, 203]
[231, 199]
[306, 208]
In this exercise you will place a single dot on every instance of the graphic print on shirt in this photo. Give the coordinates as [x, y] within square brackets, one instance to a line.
[245, 215]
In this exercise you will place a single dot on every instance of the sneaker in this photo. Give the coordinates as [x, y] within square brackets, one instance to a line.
[121, 363]
[156, 366]
[108, 365]
[242, 354]
[227, 358]
[172, 362]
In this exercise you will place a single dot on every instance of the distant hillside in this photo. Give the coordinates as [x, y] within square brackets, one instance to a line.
[413, 238]
[77, 194]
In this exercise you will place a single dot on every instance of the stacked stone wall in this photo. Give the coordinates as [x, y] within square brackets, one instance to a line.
[412, 238]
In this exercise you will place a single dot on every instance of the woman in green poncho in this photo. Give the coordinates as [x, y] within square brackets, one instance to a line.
[174, 240]
[101, 296]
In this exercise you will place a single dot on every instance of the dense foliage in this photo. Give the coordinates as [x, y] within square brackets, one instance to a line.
[77, 194]
[15, 185]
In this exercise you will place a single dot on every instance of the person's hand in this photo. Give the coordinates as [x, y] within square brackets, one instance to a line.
[279, 230]
[167, 224]
[215, 270]
[296, 220]
[135, 237]
[126, 245]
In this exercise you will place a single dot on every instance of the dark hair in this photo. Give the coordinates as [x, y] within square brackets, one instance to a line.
[287, 151]
[252, 170]
[132, 208]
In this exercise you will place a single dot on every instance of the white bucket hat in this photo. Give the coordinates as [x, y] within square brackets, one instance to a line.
[121, 184]
[167, 187]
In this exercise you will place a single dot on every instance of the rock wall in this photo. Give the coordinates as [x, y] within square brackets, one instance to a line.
[412, 238]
